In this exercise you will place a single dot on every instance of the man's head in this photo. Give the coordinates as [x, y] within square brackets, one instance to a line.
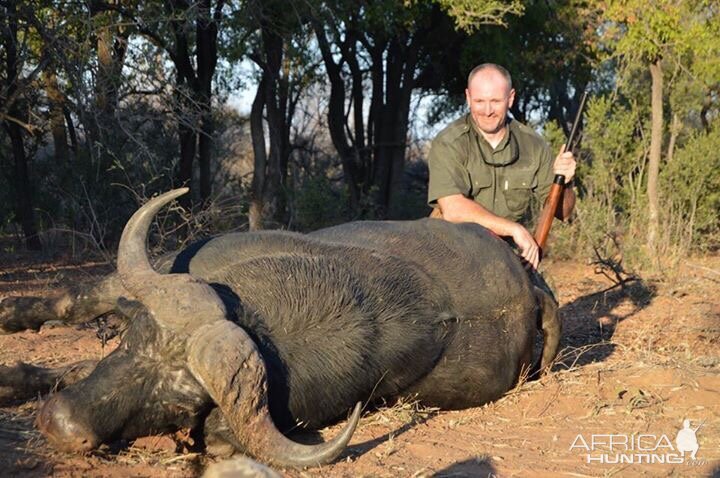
[489, 95]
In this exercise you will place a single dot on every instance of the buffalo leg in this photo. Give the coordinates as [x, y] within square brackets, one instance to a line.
[219, 437]
[24, 381]
[76, 305]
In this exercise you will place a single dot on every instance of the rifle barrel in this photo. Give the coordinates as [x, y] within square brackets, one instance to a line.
[576, 123]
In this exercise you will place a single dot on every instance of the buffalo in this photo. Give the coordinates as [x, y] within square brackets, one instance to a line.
[245, 335]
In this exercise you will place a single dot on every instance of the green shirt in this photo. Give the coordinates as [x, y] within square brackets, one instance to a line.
[517, 169]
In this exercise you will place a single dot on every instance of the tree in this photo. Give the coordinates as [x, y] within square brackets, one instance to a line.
[658, 34]
[188, 33]
[15, 118]
[549, 51]
[278, 46]
[385, 46]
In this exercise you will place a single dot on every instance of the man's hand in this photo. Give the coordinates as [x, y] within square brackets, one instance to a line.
[529, 250]
[458, 208]
[565, 164]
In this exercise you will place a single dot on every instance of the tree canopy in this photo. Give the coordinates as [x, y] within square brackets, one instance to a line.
[106, 102]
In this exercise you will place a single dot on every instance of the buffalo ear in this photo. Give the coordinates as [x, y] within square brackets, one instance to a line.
[550, 324]
[130, 308]
[228, 364]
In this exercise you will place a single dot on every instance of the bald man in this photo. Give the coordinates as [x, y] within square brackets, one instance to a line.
[485, 166]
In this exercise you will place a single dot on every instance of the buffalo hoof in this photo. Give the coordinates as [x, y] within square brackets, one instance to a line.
[23, 313]
[23, 381]
[219, 439]
[14, 383]
[239, 467]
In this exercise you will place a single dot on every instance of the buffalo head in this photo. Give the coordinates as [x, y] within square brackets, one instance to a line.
[180, 358]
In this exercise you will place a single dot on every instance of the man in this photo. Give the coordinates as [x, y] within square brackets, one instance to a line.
[485, 166]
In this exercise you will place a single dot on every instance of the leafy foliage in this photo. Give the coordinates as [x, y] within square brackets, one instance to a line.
[469, 15]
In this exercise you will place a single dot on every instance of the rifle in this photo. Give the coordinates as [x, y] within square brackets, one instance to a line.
[556, 191]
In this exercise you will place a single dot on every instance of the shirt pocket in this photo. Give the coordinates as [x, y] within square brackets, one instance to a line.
[517, 189]
[481, 184]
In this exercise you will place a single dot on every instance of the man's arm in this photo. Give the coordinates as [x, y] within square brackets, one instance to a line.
[458, 208]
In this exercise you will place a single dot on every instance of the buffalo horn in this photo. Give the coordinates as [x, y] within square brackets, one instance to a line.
[174, 299]
[226, 361]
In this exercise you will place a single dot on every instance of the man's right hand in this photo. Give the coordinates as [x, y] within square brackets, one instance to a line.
[529, 249]
[458, 208]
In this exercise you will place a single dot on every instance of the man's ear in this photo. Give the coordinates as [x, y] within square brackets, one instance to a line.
[467, 97]
[511, 97]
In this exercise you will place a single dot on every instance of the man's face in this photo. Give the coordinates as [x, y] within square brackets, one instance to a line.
[489, 97]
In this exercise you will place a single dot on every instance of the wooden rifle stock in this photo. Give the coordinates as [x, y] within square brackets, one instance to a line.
[557, 189]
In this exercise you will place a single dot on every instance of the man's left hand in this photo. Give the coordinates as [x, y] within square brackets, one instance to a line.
[565, 164]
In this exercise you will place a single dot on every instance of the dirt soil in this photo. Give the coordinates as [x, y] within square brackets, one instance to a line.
[637, 360]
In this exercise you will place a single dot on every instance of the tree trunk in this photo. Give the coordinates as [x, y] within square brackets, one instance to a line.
[111, 43]
[185, 91]
[706, 105]
[655, 155]
[188, 141]
[392, 128]
[23, 187]
[57, 117]
[384, 79]
[257, 133]
[275, 98]
[206, 38]
[675, 128]
[401, 125]
[336, 117]
[194, 87]
[71, 130]
[362, 156]
[21, 177]
[57, 129]
[105, 96]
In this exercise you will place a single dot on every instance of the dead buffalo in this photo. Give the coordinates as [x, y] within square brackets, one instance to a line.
[248, 333]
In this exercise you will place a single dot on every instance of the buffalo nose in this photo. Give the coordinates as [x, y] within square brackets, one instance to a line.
[57, 422]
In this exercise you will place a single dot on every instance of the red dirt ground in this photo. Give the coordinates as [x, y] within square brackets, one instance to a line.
[637, 360]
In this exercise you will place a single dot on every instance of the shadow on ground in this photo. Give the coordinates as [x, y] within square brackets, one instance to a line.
[309, 437]
[17, 457]
[589, 321]
[476, 468]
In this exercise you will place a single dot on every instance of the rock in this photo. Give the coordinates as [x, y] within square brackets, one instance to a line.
[239, 467]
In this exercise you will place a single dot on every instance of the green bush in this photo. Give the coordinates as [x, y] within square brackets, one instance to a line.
[317, 204]
[691, 185]
[611, 211]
